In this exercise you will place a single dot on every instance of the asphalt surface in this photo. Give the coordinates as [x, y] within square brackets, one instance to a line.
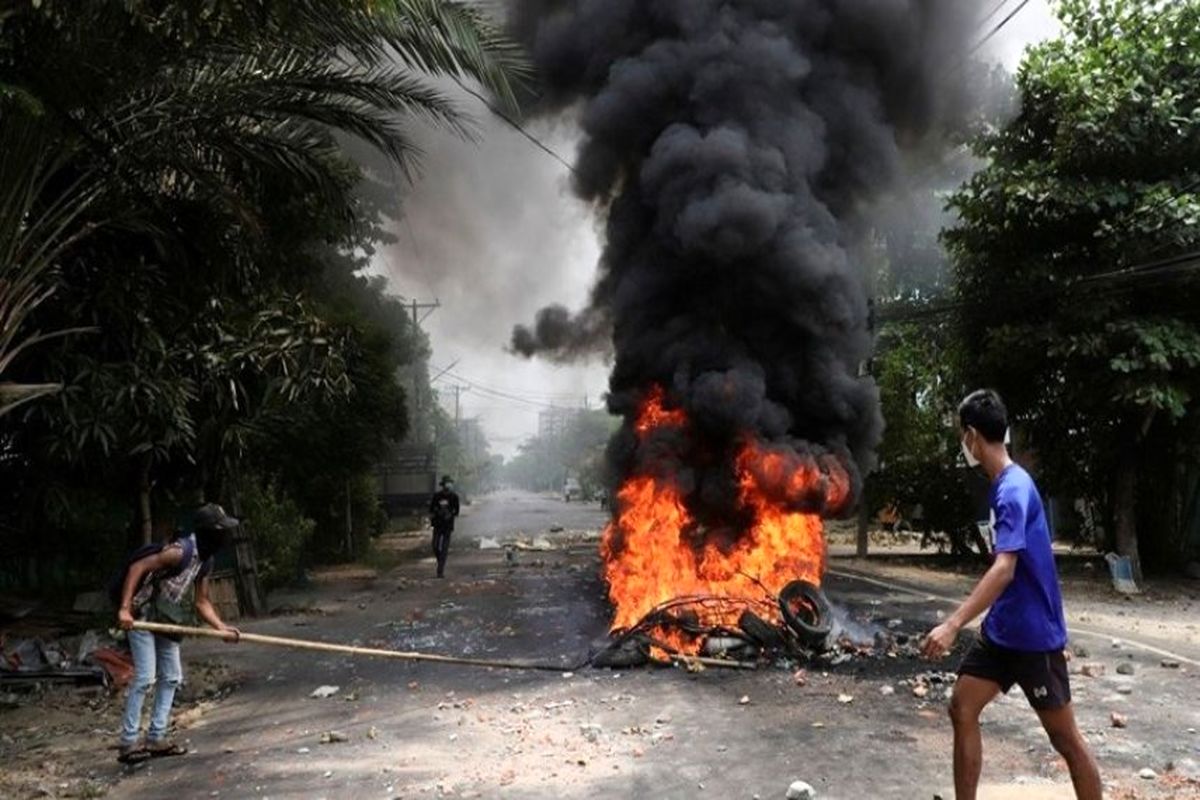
[511, 514]
[418, 730]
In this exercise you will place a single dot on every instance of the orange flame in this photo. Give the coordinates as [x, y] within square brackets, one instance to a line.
[654, 551]
[654, 415]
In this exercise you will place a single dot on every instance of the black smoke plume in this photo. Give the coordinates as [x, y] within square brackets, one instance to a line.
[735, 147]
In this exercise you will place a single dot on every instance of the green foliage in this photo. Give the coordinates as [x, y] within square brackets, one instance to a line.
[920, 476]
[1095, 180]
[32, 235]
[195, 198]
[280, 531]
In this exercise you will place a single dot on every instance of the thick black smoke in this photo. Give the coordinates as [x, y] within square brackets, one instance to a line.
[735, 146]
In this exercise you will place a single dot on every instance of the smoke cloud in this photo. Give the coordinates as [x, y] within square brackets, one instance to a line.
[735, 147]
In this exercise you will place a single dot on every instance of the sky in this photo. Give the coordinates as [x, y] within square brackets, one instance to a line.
[493, 233]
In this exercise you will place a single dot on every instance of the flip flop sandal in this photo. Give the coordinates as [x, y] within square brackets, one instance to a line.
[164, 749]
[132, 754]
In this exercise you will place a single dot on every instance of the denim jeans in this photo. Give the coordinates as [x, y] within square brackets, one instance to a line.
[155, 665]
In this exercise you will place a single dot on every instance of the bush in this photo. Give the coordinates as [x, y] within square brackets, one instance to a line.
[279, 529]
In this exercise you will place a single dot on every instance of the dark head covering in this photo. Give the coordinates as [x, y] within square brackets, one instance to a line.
[211, 517]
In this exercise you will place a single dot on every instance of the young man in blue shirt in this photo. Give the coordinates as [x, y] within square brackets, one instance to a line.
[1022, 638]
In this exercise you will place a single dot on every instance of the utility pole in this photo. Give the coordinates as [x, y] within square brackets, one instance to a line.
[863, 539]
[458, 390]
[428, 308]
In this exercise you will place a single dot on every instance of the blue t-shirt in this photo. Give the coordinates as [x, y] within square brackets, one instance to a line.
[1029, 614]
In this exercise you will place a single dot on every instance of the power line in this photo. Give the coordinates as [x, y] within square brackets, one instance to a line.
[992, 13]
[544, 405]
[1118, 281]
[999, 27]
[529, 393]
[493, 395]
[517, 126]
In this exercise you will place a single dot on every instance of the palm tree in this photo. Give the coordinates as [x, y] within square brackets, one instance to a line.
[259, 87]
[119, 106]
[31, 238]
[123, 117]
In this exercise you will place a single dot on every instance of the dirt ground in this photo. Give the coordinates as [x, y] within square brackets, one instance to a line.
[420, 730]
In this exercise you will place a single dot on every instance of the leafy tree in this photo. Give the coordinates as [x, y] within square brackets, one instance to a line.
[1068, 307]
[31, 237]
[224, 221]
[920, 475]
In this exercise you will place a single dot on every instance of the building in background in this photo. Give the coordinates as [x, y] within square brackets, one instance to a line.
[553, 422]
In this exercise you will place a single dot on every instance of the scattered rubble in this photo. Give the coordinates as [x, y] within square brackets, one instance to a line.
[923, 684]
[66, 660]
[591, 732]
[799, 790]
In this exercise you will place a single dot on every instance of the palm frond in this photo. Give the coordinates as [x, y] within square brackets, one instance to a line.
[33, 233]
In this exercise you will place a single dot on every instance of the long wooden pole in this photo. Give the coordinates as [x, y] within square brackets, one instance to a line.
[329, 647]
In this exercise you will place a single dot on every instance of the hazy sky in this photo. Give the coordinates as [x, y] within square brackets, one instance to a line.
[494, 234]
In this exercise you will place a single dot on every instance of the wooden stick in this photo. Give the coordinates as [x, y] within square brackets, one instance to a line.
[329, 647]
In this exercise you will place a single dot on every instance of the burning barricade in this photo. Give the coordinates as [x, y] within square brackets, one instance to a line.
[736, 590]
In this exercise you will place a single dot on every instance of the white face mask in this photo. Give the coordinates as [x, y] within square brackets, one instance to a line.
[972, 461]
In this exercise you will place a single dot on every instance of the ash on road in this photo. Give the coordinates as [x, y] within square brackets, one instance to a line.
[392, 730]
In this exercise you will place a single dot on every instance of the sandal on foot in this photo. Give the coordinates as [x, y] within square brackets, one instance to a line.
[132, 754]
[165, 748]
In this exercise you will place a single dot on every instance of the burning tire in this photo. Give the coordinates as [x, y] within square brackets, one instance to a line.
[807, 613]
[627, 651]
[759, 630]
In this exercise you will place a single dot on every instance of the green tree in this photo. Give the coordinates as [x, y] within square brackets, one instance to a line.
[224, 222]
[920, 474]
[1067, 307]
[31, 237]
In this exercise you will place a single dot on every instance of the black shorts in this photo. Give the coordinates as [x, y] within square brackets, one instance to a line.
[1042, 676]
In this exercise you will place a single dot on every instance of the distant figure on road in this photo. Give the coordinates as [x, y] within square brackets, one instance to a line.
[151, 586]
[1023, 636]
[443, 508]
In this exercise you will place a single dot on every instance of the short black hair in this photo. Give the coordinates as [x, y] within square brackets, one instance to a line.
[984, 411]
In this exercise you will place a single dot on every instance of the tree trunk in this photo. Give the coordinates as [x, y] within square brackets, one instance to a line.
[349, 525]
[1125, 491]
[144, 488]
[1125, 510]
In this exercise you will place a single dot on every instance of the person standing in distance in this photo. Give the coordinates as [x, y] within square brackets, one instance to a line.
[1022, 638]
[443, 508]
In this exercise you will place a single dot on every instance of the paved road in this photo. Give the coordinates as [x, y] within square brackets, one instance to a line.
[421, 730]
[508, 514]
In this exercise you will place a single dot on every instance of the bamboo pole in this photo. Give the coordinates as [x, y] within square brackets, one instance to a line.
[329, 647]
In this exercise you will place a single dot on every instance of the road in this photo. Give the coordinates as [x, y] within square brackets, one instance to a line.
[430, 731]
[508, 514]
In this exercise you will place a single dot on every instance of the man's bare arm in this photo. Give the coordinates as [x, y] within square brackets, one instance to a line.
[163, 559]
[990, 587]
[208, 612]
